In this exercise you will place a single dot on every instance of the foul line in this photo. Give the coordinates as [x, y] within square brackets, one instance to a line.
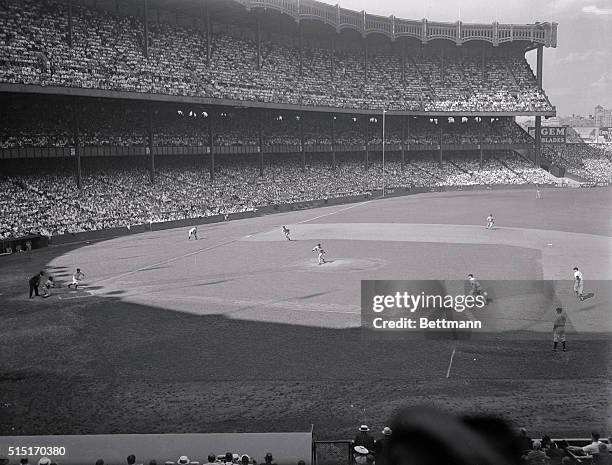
[450, 364]
[164, 262]
[334, 212]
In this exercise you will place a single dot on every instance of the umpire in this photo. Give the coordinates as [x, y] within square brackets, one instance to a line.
[34, 283]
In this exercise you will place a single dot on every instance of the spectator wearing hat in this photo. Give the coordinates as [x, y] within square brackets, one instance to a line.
[382, 447]
[364, 438]
[183, 460]
[229, 457]
[269, 459]
[44, 461]
[603, 456]
[212, 459]
[593, 448]
[524, 440]
[537, 456]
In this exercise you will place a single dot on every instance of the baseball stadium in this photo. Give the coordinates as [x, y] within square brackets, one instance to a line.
[203, 195]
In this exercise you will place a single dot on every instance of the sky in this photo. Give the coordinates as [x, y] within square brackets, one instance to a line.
[577, 74]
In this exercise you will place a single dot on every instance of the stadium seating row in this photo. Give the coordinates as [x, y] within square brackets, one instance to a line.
[47, 203]
[107, 52]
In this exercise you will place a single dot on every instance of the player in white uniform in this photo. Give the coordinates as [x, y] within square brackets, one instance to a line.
[193, 232]
[490, 221]
[77, 277]
[320, 253]
[538, 193]
[578, 283]
[559, 329]
[286, 232]
[47, 287]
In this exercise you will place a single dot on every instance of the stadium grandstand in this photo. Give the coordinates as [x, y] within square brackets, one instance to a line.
[274, 101]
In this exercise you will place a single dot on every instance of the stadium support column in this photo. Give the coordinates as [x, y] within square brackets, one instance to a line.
[440, 147]
[403, 141]
[145, 21]
[538, 141]
[366, 138]
[333, 140]
[539, 65]
[150, 140]
[261, 143]
[70, 23]
[538, 120]
[77, 143]
[480, 149]
[211, 145]
[302, 145]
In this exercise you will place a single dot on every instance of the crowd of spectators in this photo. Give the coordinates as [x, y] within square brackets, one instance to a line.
[229, 458]
[546, 451]
[107, 52]
[48, 203]
[37, 122]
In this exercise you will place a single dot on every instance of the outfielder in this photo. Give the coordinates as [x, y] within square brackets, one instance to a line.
[193, 232]
[490, 221]
[286, 232]
[559, 329]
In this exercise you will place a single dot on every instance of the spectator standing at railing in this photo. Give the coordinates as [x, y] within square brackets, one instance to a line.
[364, 438]
[593, 448]
[537, 456]
[603, 456]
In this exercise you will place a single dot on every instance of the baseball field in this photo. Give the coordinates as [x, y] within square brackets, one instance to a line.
[242, 330]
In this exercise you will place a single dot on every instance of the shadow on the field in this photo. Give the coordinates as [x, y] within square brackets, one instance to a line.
[310, 296]
[111, 293]
[211, 283]
[586, 309]
[590, 295]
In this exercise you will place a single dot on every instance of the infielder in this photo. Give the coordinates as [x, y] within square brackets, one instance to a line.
[320, 253]
[490, 221]
[578, 283]
[193, 232]
[559, 329]
[286, 232]
[77, 277]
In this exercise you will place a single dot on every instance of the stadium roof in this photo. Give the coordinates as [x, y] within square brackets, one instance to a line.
[530, 36]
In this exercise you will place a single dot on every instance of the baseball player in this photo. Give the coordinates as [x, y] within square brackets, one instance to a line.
[46, 287]
[578, 283]
[490, 221]
[559, 329]
[474, 287]
[286, 232]
[193, 232]
[320, 253]
[77, 277]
